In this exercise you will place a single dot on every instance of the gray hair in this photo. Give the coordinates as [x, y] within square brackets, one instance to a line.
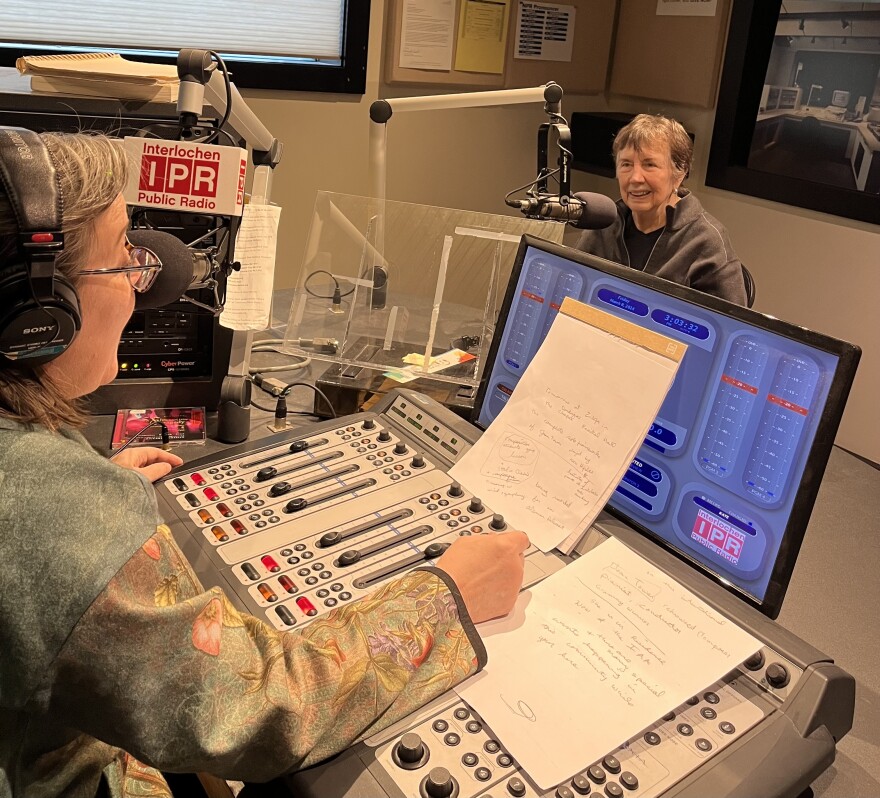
[647, 130]
[92, 171]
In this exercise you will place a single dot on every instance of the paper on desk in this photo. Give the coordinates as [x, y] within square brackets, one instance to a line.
[593, 655]
[552, 458]
[249, 291]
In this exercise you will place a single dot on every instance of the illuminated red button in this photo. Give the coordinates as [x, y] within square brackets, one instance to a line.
[206, 517]
[270, 563]
[287, 583]
[238, 527]
[211, 494]
[224, 509]
[306, 606]
[219, 533]
[266, 592]
[198, 479]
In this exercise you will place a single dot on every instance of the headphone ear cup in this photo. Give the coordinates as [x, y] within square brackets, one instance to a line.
[22, 319]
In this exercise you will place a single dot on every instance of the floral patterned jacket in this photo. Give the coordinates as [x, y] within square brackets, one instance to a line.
[115, 663]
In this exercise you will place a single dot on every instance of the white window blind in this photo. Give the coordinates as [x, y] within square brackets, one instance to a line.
[287, 29]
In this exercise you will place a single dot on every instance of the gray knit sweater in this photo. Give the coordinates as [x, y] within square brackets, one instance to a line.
[694, 249]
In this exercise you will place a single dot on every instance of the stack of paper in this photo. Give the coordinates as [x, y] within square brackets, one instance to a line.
[100, 75]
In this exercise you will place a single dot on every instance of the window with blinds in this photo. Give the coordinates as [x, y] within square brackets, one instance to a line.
[302, 45]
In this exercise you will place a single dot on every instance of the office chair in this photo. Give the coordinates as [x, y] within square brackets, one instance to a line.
[750, 286]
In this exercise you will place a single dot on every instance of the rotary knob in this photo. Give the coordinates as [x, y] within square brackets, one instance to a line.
[497, 523]
[418, 461]
[368, 424]
[454, 490]
[384, 436]
[777, 675]
[756, 661]
[410, 753]
[439, 784]
[476, 506]
[400, 448]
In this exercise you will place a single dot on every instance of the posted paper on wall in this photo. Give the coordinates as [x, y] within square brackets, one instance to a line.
[592, 656]
[552, 458]
[249, 291]
[427, 34]
[544, 31]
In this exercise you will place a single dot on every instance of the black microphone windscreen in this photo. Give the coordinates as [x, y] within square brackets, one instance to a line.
[177, 268]
[599, 211]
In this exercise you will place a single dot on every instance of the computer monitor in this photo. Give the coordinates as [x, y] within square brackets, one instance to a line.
[839, 98]
[729, 471]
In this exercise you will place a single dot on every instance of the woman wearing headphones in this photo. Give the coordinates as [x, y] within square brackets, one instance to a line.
[115, 663]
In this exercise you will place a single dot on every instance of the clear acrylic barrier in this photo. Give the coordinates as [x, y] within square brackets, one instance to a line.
[389, 285]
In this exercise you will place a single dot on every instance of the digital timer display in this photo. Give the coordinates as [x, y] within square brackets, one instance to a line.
[681, 324]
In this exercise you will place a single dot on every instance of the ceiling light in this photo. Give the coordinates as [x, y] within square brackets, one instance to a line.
[801, 26]
[844, 23]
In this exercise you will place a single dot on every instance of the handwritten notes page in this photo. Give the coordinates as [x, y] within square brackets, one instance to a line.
[552, 458]
[592, 656]
[249, 291]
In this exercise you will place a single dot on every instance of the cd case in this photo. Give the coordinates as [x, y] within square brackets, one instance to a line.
[184, 424]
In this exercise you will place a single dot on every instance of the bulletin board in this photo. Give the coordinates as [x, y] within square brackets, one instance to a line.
[585, 73]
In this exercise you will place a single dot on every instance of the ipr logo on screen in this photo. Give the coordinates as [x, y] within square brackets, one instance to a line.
[718, 536]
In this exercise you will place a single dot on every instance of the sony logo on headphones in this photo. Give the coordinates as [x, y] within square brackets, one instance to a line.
[38, 329]
[23, 150]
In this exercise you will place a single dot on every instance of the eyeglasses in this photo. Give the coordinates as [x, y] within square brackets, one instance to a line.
[143, 266]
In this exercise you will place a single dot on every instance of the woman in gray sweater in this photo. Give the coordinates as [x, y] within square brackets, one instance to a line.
[661, 228]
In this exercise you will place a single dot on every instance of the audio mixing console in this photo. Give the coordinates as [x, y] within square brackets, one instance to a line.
[296, 524]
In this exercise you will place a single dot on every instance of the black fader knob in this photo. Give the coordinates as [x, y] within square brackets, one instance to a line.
[295, 505]
[777, 675]
[299, 446]
[439, 784]
[410, 753]
[400, 448]
[417, 462]
[368, 424]
[455, 490]
[265, 473]
[384, 436]
[497, 523]
[476, 506]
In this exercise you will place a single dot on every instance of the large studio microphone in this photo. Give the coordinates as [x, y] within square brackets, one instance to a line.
[183, 268]
[584, 210]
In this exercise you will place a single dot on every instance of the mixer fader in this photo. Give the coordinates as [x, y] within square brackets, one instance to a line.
[302, 523]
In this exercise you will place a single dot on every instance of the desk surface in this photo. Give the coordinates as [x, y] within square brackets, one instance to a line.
[830, 603]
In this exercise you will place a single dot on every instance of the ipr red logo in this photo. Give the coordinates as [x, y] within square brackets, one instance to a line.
[171, 175]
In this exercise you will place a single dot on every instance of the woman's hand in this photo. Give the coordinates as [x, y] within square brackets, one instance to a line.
[488, 571]
[152, 462]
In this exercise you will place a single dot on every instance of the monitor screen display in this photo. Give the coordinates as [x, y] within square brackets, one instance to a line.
[840, 99]
[729, 471]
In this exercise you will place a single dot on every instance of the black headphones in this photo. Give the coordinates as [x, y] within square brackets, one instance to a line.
[39, 309]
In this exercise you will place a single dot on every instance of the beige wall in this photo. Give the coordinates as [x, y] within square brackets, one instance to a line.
[811, 269]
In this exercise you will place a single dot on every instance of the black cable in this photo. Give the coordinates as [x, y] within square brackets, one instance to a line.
[228, 84]
[530, 184]
[337, 291]
[166, 436]
[262, 407]
[286, 390]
